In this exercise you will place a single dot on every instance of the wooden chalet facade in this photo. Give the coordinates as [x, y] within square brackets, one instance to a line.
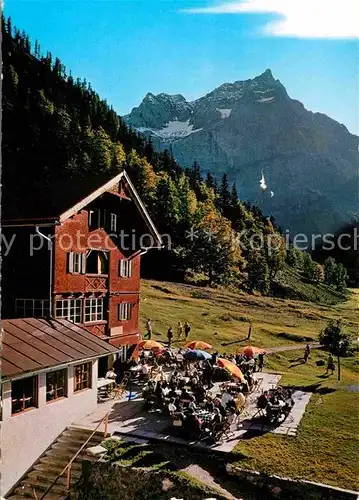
[76, 256]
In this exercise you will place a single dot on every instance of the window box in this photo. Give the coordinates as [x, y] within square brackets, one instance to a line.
[24, 394]
[82, 377]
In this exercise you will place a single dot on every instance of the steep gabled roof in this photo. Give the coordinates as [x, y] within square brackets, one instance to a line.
[57, 200]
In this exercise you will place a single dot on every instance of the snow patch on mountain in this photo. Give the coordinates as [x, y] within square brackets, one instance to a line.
[225, 113]
[172, 130]
[266, 99]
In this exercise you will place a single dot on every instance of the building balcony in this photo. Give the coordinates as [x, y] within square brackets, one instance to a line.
[96, 283]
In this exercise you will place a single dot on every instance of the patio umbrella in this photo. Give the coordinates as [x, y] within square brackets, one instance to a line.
[198, 344]
[197, 355]
[149, 345]
[250, 351]
[231, 367]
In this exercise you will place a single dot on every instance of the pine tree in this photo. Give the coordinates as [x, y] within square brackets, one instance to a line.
[308, 266]
[258, 273]
[340, 277]
[234, 195]
[9, 26]
[224, 196]
[329, 271]
[210, 181]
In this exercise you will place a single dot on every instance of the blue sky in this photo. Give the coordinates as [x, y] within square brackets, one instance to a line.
[127, 48]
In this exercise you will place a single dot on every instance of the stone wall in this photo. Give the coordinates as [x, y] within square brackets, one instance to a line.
[110, 481]
[285, 488]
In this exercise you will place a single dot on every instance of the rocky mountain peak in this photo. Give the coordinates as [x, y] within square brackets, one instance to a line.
[252, 129]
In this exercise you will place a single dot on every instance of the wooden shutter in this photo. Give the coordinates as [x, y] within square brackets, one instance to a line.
[83, 263]
[121, 268]
[70, 262]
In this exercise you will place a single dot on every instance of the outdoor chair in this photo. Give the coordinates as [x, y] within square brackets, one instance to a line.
[120, 390]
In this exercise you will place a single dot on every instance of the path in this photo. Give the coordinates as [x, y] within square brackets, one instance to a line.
[273, 350]
[205, 477]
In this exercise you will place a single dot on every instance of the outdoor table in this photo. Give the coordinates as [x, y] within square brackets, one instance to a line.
[104, 382]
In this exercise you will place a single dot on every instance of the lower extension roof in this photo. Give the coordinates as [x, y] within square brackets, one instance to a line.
[36, 344]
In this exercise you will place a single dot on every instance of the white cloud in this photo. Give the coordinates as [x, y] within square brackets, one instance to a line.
[297, 18]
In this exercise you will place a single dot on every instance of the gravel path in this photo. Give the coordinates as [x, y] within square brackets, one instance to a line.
[272, 350]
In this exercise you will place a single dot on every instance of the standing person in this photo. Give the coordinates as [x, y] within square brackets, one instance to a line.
[187, 329]
[214, 358]
[170, 336]
[149, 329]
[207, 375]
[330, 365]
[260, 361]
[306, 353]
[179, 330]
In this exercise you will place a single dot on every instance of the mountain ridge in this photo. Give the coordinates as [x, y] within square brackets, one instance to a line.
[252, 127]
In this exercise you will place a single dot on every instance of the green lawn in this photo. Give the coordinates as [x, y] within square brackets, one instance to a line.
[326, 447]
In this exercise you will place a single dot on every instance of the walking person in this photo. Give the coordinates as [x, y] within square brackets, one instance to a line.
[330, 365]
[260, 361]
[187, 329]
[170, 336]
[148, 329]
[179, 331]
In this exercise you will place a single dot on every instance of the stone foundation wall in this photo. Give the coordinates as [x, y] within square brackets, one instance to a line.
[285, 488]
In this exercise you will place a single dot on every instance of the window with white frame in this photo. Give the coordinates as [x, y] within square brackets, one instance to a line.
[113, 222]
[124, 311]
[94, 310]
[32, 308]
[76, 262]
[70, 309]
[125, 268]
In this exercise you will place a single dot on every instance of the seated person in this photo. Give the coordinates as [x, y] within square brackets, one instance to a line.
[209, 406]
[144, 370]
[217, 419]
[174, 377]
[231, 416]
[240, 401]
[111, 374]
[199, 393]
[262, 401]
[226, 398]
[192, 423]
[185, 395]
[218, 404]
[192, 405]
[171, 406]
